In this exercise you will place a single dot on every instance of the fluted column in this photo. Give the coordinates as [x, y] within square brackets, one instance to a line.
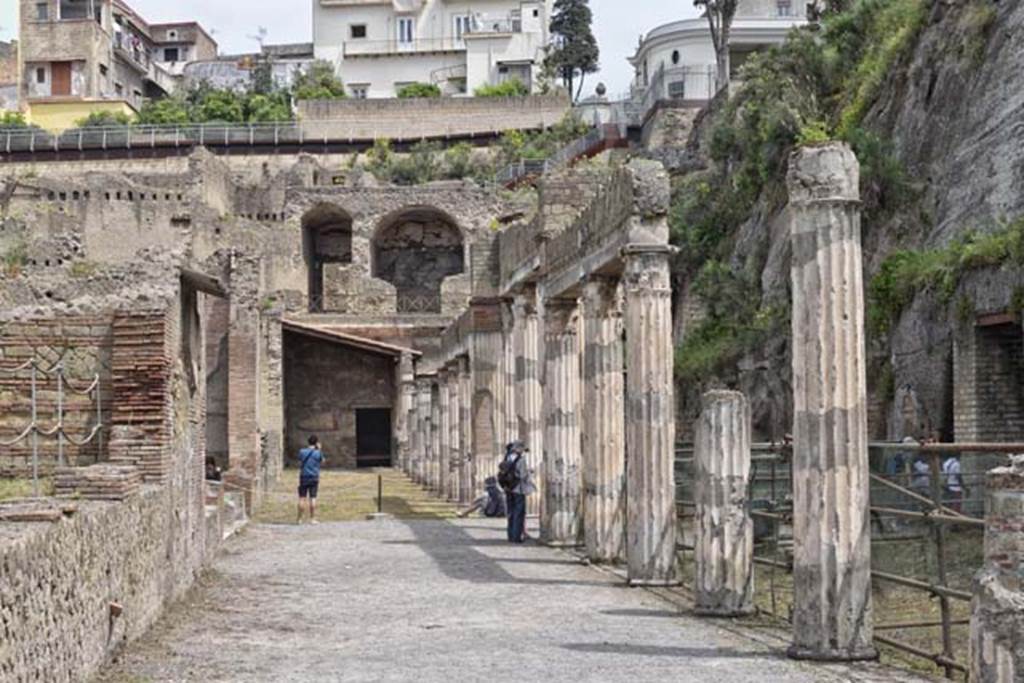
[423, 414]
[466, 493]
[510, 426]
[529, 394]
[454, 438]
[650, 418]
[604, 422]
[832, 611]
[997, 611]
[560, 516]
[725, 533]
[444, 433]
[435, 438]
[403, 410]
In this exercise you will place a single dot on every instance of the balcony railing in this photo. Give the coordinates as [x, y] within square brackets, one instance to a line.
[694, 83]
[133, 50]
[376, 48]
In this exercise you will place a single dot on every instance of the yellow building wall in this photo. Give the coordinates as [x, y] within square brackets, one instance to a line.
[57, 117]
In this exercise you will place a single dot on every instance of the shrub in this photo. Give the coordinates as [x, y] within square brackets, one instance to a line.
[423, 90]
[318, 82]
[510, 88]
[12, 119]
[165, 111]
[99, 119]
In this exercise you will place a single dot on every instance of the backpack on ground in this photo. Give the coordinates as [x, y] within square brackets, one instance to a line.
[508, 473]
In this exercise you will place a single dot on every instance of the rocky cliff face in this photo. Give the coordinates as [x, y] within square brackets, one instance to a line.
[953, 110]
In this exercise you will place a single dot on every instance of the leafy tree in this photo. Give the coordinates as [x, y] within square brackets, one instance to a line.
[98, 119]
[268, 108]
[720, 14]
[261, 77]
[166, 111]
[414, 90]
[510, 88]
[318, 82]
[575, 52]
[222, 106]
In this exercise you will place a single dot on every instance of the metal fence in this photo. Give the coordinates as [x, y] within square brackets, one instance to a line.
[695, 83]
[598, 138]
[33, 430]
[906, 497]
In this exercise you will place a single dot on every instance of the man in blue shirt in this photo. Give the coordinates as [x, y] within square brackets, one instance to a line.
[311, 458]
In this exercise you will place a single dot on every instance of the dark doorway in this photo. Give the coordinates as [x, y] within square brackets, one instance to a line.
[373, 437]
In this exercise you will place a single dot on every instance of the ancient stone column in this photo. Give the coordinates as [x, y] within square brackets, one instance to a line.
[434, 475]
[560, 516]
[997, 611]
[725, 533]
[466, 493]
[510, 427]
[423, 414]
[454, 432]
[604, 422]
[444, 432]
[529, 394]
[650, 418]
[832, 617]
[406, 392]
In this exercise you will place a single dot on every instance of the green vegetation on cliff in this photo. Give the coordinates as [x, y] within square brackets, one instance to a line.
[907, 273]
[817, 86]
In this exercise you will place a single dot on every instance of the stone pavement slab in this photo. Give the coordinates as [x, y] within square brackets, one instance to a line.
[435, 601]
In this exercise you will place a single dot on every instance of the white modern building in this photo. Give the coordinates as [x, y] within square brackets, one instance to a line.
[379, 46]
[677, 60]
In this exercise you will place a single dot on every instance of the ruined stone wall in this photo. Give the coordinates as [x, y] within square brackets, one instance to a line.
[324, 385]
[141, 553]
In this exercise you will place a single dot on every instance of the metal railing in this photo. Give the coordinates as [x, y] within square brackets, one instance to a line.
[34, 430]
[369, 48]
[694, 82]
[515, 173]
[770, 488]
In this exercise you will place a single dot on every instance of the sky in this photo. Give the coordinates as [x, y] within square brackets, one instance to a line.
[618, 25]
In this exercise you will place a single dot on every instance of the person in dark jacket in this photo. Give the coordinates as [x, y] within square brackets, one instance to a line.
[492, 503]
[522, 486]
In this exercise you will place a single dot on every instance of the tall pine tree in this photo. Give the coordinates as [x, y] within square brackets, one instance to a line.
[573, 53]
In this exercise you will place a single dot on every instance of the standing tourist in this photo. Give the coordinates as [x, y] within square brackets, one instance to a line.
[311, 458]
[515, 478]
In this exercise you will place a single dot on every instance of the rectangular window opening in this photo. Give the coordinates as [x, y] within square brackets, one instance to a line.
[405, 30]
[42, 11]
[357, 31]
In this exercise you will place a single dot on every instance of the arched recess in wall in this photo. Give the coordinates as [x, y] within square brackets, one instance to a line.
[415, 249]
[326, 239]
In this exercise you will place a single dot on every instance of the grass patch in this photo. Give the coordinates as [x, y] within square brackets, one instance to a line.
[347, 496]
[11, 489]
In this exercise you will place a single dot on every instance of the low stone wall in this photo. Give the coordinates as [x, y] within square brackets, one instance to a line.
[58, 582]
[413, 119]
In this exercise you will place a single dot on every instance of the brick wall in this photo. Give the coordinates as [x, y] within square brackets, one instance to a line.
[84, 345]
[988, 395]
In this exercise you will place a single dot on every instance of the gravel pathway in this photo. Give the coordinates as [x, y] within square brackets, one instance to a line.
[435, 601]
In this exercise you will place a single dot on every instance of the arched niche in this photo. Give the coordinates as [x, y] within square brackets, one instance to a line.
[415, 249]
[326, 238]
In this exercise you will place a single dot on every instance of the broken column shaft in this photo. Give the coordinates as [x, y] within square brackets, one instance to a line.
[650, 417]
[724, 554]
[560, 517]
[529, 393]
[997, 610]
[604, 450]
[832, 612]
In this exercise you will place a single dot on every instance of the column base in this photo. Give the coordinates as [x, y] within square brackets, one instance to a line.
[714, 613]
[867, 654]
[653, 583]
[561, 544]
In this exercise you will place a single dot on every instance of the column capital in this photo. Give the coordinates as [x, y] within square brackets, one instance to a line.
[824, 174]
